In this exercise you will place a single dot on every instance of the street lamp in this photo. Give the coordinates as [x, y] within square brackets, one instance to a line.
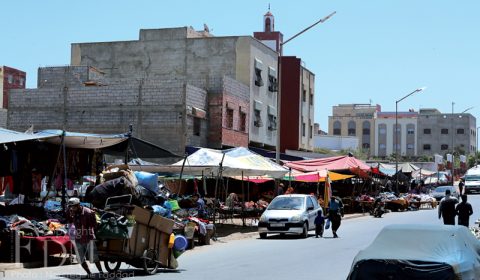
[279, 67]
[396, 133]
[476, 143]
[453, 144]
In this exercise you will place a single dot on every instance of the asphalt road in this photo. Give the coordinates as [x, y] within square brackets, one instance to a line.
[272, 258]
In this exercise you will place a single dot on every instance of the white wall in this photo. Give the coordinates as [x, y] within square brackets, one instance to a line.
[335, 142]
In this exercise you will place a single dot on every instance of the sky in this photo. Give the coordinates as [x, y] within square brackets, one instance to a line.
[369, 52]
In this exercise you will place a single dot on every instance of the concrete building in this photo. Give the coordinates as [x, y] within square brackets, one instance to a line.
[297, 93]
[10, 78]
[385, 137]
[355, 120]
[441, 133]
[195, 57]
[177, 86]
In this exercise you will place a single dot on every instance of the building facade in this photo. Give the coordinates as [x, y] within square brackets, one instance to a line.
[297, 90]
[388, 142]
[355, 120]
[177, 86]
[441, 133]
[10, 78]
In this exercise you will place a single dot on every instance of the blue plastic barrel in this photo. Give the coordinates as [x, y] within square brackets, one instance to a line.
[180, 243]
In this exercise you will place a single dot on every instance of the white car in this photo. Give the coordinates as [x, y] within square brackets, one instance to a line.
[289, 214]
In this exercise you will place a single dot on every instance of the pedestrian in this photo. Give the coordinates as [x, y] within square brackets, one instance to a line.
[335, 214]
[319, 223]
[278, 190]
[290, 190]
[447, 209]
[464, 211]
[85, 224]
[461, 184]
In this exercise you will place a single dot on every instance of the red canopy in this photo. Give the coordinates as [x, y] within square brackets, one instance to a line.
[330, 163]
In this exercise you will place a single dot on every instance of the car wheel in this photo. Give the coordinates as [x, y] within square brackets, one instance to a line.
[263, 235]
[305, 231]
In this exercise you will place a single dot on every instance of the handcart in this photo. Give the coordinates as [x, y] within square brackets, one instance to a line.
[146, 246]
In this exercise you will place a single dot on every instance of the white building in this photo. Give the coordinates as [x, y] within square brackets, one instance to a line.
[385, 133]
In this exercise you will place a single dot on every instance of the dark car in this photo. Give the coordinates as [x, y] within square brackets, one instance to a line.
[439, 192]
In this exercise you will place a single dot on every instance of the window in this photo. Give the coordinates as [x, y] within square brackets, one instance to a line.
[382, 131]
[257, 121]
[444, 131]
[22, 81]
[444, 147]
[310, 132]
[304, 95]
[10, 79]
[196, 126]
[258, 73]
[272, 122]
[351, 128]
[311, 97]
[366, 145]
[460, 131]
[409, 146]
[243, 121]
[382, 146]
[303, 129]
[427, 131]
[426, 147]
[272, 80]
[272, 84]
[410, 131]
[229, 119]
[366, 128]
[337, 128]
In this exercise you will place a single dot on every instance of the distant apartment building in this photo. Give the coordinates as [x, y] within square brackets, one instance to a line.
[442, 133]
[402, 140]
[10, 78]
[297, 93]
[355, 120]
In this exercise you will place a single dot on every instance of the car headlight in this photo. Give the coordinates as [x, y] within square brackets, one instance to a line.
[296, 218]
[263, 219]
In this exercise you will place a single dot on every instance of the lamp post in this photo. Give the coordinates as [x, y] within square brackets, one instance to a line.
[396, 133]
[453, 144]
[279, 67]
[476, 150]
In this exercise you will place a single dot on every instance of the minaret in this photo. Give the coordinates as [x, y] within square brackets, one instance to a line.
[269, 22]
[269, 36]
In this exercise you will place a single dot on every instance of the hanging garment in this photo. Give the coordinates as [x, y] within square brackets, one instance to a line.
[36, 182]
[6, 183]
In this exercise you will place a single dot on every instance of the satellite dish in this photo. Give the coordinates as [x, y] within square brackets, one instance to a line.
[205, 28]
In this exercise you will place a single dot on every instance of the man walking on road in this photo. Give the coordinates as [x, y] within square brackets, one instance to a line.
[447, 209]
[460, 186]
[464, 211]
[85, 224]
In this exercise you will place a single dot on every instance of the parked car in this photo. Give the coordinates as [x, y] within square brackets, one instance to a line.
[289, 214]
[438, 252]
[472, 180]
[439, 192]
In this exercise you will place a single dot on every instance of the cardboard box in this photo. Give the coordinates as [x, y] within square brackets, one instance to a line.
[138, 243]
[142, 216]
[164, 252]
[162, 224]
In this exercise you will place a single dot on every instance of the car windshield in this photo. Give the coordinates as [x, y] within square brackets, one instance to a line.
[286, 203]
[472, 177]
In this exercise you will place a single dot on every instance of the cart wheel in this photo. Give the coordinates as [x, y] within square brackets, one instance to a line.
[150, 264]
[111, 266]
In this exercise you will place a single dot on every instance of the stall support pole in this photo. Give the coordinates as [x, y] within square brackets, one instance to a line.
[216, 188]
[64, 186]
